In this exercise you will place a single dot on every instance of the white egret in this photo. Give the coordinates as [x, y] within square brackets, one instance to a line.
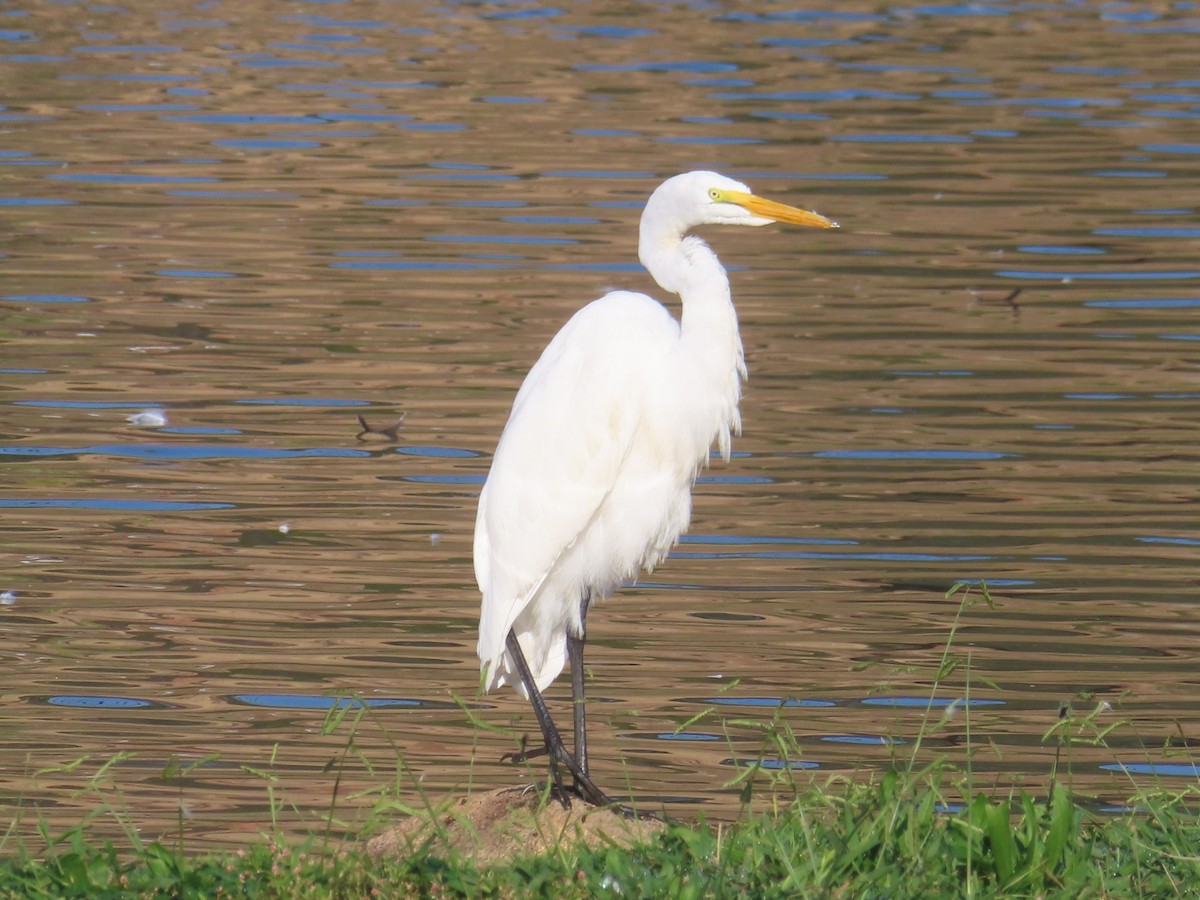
[591, 480]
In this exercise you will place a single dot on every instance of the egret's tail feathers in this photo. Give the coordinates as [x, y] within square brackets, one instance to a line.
[499, 672]
[546, 661]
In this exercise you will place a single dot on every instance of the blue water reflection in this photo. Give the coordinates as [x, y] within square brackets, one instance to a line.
[45, 298]
[438, 452]
[100, 702]
[124, 505]
[692, 736]
[1166, 769]
[128, 178]
[971, 455]
[182, 451]
[320, 702]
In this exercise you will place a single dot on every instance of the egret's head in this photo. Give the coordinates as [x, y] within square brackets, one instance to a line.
[709, 198]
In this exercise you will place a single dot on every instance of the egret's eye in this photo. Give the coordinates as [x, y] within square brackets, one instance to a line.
[714, 195]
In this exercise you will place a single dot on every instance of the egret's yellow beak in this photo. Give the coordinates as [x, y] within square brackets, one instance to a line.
[778, 212]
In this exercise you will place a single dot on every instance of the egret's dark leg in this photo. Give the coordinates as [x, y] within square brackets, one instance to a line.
[578, 691]
[554, 742]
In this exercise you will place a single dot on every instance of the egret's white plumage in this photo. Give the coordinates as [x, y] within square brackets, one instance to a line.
[591, 481]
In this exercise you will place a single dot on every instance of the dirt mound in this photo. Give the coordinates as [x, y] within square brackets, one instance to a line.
[509, 823]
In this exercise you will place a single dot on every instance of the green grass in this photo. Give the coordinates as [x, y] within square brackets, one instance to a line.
[912, 831]
[888, 838]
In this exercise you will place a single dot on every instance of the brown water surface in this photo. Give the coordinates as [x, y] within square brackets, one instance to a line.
[264, 219]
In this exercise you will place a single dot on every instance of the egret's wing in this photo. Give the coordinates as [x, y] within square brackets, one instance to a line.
[572, 423]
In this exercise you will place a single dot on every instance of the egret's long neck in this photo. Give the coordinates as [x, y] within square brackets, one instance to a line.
[687, 266]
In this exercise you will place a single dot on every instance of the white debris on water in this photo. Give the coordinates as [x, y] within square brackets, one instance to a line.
[149, 418]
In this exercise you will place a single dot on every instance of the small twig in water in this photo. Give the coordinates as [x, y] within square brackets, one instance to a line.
[391, 432]
[1009, 300]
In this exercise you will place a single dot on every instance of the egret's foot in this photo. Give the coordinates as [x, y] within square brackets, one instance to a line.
[561, 793]
[601, 800]
[547, 789]
[582, 787]
[628, 812]
[585, 789]
[566, 796]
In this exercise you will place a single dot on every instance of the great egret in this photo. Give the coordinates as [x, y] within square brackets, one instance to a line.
[592, 478]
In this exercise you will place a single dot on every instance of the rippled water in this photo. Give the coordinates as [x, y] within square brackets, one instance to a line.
[265, 220]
